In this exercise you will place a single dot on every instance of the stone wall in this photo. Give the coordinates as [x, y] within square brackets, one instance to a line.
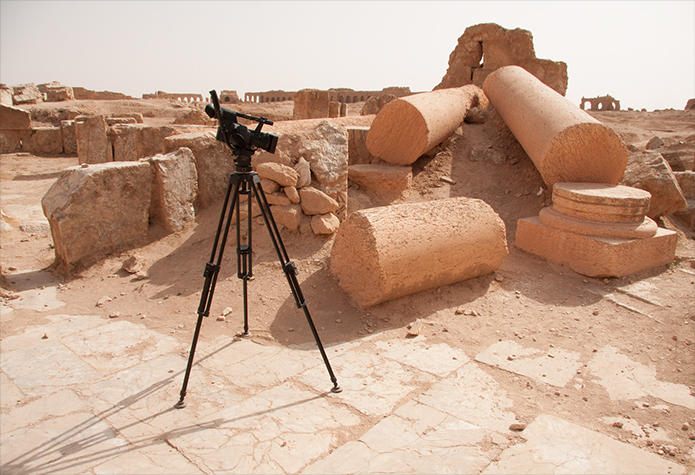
[341, 95]
[601, 103]
[86, 94]
[188, 97]
[486, 47]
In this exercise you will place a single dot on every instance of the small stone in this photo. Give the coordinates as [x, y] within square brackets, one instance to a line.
[460, 311]
[84, 165]
[618, 424]
[132, 265]
[221, 318]
[584, 398]
[290, 329]
[102, 301]
[227, 311]
[518, 427]
[595, 312]
[685, 426]
[499, 278]
[114, 315]
[45, 337]
[338, 320]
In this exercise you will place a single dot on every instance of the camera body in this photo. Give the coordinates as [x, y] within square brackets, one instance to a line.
[237, 135]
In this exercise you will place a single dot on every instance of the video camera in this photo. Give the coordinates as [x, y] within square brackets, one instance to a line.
[237, 136]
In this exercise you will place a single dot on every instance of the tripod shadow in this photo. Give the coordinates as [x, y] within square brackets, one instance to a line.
[67, 451]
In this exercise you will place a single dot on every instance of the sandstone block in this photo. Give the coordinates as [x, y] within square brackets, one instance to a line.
[14, 118]
[310, 104]
[383, 253]
[292, 194]
[174, 189]
[26, 94]
[595, 256]
[125, 142]
[67, 130]
[357, 146]
[59, 93]
[649, 171]
[678, 160]
[214, 163]
[333, 109]
[303, 169]
[288, 216]
[281, 174]
[93, 145]
[269, 186]
[374, 104]
[637, 230]
[5, 95]
[44, 140]
[98, 210]
[385, 182]
[120, 120]
[277, 199]
[11, 140]
[315, 201]
[324, 224]
[410, 126]
[686, 180]
[565, 143]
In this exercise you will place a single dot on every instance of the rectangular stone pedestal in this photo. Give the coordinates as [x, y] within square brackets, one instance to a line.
[595, 256]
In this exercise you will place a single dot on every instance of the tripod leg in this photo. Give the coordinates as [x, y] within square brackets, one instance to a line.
[290, 270]
[243, 249]
[212, 269]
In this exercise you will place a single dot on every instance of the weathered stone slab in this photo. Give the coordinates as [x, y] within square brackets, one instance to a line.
[439, 359]
[592, 255]
[5, 95]
[44, 140]
[288, 216]
[14, 118]
[315, 201]
[281, 174]
[58, 93]
[174, 189]
[627, 379]
[67, 130]
[93, 145]
[555, 366]
[97, 210]
[686, 180]
[324, 224]
[557, 446]
[385, 182]
[649, 171]
[357, 145]
[214, 163]
[310, 104]
[26, 94]
[11, 140]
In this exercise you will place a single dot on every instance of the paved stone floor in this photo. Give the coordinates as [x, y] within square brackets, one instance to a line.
[87, 394]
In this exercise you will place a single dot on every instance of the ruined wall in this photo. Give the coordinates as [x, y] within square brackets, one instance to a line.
[189, 97]
[229, 97]
[86, 94]
[601, 103]
[486, 47]
[343, 94]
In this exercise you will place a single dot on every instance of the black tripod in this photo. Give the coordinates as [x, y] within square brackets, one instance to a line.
[245, 182]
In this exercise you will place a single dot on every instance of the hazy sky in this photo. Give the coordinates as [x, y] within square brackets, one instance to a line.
[642, 53]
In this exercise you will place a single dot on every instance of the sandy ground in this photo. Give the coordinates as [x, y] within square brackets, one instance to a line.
[647, 317]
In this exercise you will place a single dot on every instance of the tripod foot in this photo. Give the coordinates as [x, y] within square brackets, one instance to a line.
[180, 405]
[336, 389]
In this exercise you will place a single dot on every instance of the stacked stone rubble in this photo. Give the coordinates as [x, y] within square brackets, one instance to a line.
[598, 230]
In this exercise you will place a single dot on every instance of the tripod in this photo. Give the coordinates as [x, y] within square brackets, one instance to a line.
[245, 182]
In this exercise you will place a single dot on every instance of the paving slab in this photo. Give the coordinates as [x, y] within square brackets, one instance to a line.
[39, 300]
[555, 366]
[73, 443]
[58, 326]
[371, 384]
[57, 404]
[439, 359]
[627, 379]
[10, 394]
[417, 439]
[554, 445]
[473, 396]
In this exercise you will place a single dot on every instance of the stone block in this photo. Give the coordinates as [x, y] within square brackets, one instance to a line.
[67, 130]
[120, 120]
[383, 253]
[26, 94]
[14, 118]
[281, 174]
[124, 140]
[174, 189]
[93, 145]
[310, 104]
[686, 180]
[98, 210]
[314, 201]
[214, 163]
[12, 140]
[642, 229]
[44, 140]
[595, 256]
[288, 216]
[303, 169]
[5, 95]
[324, 224]
[385, 182]
[333, 109]
[601, 202]
[374, 104]
[649, 171]
[59, 93]
[357, 146]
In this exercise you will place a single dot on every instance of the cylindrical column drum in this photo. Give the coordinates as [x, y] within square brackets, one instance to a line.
[410, 126]
[383, 253]
[564, 142]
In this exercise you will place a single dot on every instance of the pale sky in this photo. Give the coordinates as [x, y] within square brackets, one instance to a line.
[642, 53]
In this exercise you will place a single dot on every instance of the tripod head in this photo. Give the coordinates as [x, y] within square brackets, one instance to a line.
[238, 137]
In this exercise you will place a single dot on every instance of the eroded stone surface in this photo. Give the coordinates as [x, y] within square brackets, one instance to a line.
[557, 446]
[555, 366]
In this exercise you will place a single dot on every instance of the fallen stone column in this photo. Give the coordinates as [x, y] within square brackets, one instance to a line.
[565, 143]
[383, 253]
[410, 126]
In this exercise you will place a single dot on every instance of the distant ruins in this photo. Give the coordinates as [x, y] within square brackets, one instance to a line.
[343, 95]
[486, 47]
[181, 97]
[601, 103]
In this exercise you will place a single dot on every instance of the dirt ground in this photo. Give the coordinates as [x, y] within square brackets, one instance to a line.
[649, 316]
